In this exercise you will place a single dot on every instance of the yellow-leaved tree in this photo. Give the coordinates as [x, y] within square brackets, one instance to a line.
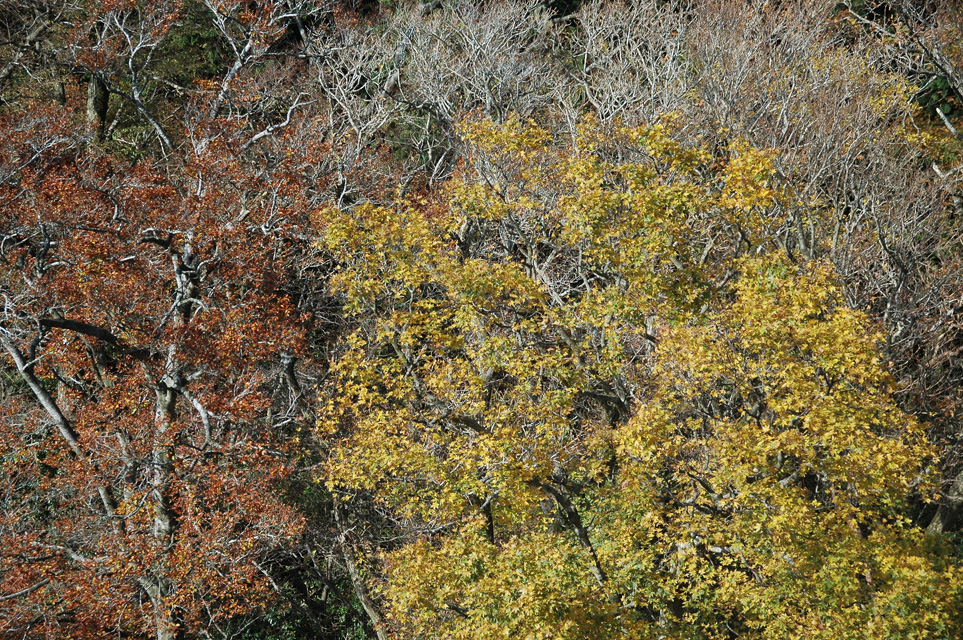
[596, 401]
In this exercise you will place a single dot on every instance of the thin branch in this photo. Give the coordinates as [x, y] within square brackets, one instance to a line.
[24, 592]
[274, 127]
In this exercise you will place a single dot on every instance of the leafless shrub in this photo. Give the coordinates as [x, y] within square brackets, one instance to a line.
[628, 59]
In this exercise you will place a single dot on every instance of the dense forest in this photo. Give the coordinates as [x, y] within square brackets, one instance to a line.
[481, 319]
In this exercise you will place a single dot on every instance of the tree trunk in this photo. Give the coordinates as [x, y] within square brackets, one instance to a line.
[357, 581]
[156, 589]
[97, 100]
[60, 91]
[947, 517]
[162, 462]
[50, 405]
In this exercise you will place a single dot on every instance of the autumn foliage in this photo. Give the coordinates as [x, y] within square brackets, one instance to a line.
[604, 424]
[451, 319]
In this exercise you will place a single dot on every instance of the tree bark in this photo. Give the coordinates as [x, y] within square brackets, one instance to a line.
[573, 520]
[63, 424]
[357, 581]
[43, 396]
[97, 101]
[60, 92]
[156, 589]
[947, 517]
[162, 461]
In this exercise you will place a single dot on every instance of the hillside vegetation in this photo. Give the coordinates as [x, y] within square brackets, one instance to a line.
[504, 319]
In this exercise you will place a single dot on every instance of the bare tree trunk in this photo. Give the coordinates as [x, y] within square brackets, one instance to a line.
[162, 463]
[156, 589]
[50, 405]
[165, 628]
[357, 581]
[60, 90]
[948, 515]
[570, 516]
[97, 101]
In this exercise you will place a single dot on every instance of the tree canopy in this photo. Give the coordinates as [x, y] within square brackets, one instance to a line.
[453, 319]
[602, 424]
